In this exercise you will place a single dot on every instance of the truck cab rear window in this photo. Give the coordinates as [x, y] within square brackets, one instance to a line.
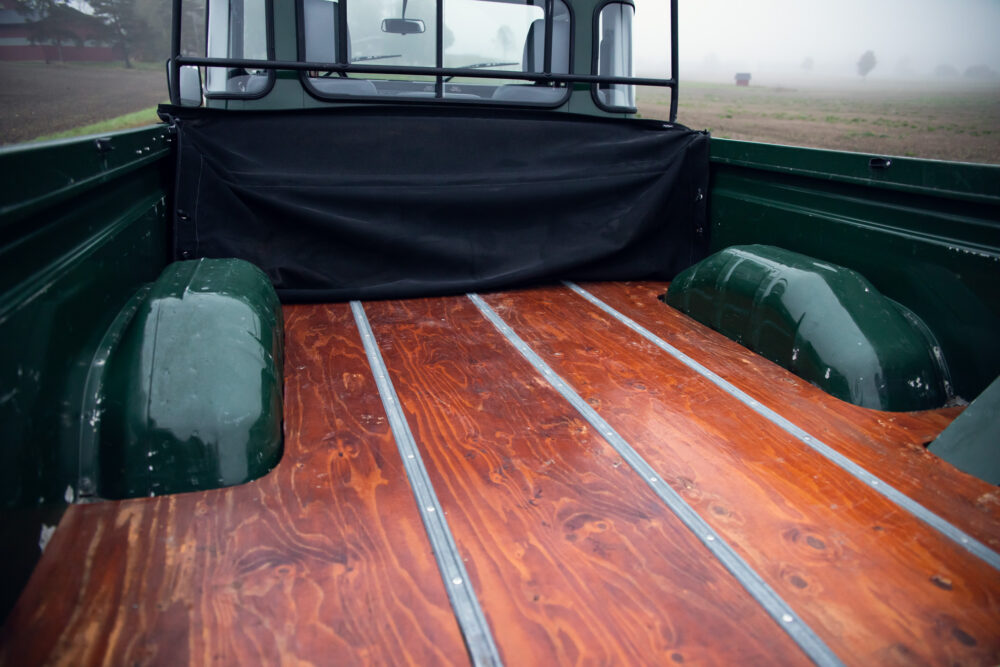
[238, 29]
[476, 34]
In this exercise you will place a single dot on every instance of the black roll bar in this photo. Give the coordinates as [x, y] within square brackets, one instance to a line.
[343, 67]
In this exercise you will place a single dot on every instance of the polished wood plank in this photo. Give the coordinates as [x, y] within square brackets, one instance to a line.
[573, 557]
[323, 561]
[876, 584]
[889, 444]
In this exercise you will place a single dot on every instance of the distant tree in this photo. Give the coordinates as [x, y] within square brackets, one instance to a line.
[945, 71]
[505, 38]
[193, 29]
[155, 17]
[125, 26]
[807, 65]
[980, 73]
[53, 22]
[55, 28]
[867, 63]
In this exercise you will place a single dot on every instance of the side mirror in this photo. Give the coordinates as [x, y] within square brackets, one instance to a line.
[403, 26]
[190, 86]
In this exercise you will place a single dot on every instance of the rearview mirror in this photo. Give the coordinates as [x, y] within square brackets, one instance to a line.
[403, 26]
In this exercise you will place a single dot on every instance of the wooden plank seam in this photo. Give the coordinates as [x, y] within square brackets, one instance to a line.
[896, 496]
[469, 614]
[767, 597]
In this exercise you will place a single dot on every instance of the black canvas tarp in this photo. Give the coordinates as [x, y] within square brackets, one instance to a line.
[392, 202]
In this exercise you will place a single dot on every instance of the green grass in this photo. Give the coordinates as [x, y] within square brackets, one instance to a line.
[129, 120]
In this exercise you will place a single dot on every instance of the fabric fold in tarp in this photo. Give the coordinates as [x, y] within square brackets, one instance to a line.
[392, 202]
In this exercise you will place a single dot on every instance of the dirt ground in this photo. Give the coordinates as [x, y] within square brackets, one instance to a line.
[929, 121]
[38, 99]
[933, 120]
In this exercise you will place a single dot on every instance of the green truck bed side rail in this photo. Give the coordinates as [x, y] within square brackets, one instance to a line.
[925, 233]
[83, 225]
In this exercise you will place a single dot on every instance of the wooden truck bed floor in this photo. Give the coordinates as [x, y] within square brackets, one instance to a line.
[572, 554]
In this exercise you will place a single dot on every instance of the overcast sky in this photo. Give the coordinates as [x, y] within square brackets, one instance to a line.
[768, 36]
[772, 38]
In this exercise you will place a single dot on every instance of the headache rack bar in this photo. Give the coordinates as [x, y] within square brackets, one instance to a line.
[177, 61]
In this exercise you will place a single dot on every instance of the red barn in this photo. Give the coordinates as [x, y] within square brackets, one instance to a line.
[66, 35]
[743, 78]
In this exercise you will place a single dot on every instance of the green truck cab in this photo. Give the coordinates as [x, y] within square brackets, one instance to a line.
[323, 152]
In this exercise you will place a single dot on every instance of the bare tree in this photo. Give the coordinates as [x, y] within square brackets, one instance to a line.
[867, 63]
[53, 22]
[155, 15]
[125, 26]
[505, 39]
[980, 72]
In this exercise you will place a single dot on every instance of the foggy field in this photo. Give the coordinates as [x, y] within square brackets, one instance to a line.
[931, 120]
[38, 99]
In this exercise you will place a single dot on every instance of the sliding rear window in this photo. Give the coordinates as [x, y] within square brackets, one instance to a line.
[475, 34]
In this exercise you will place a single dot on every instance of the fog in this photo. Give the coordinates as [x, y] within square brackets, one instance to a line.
[777, 41]
[772, 39]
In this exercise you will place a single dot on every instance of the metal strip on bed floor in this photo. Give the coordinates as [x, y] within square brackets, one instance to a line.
[469, 614]
[766, 596]
[896, 496]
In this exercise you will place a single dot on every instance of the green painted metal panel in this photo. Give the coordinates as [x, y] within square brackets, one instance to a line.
[192, 395]
[81, 230]
[964, 181]
[972, 442]
[925, 233]
[825, 323]
[38, 176]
